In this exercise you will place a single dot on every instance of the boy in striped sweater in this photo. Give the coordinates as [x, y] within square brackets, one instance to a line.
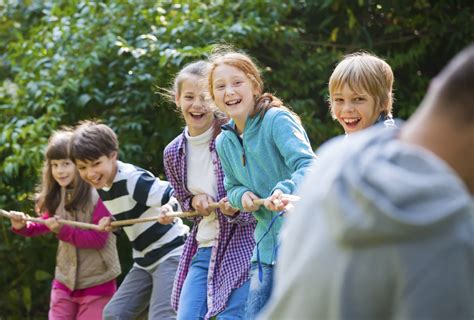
[130, 192]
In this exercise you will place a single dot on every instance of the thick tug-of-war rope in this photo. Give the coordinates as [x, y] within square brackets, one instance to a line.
[78, 224]
[179, 214]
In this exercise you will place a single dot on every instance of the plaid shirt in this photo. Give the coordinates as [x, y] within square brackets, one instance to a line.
[230, 260]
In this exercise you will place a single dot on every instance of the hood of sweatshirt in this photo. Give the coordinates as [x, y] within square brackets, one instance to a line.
[375, 188]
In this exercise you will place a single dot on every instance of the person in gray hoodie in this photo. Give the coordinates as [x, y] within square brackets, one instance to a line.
[390, 225]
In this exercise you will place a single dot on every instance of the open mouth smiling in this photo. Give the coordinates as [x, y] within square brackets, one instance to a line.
[96, 181]
[351, 122]
[233, 102]
[197, 115]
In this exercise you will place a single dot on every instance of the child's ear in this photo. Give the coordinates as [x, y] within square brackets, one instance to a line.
[383, 107]
[256, 93]
[113, 155]
[176, 100]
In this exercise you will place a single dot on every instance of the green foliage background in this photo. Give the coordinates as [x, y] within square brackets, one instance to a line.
[65, 61]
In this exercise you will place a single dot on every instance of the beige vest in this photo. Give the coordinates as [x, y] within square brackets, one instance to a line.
[79, 268]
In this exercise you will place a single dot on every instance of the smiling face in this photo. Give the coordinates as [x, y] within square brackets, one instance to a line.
[234, 93]
[99, 173]
[354, 110]
[194, 103]
[63, 171]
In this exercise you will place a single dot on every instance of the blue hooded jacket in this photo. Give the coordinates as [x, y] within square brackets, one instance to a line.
[274, 153]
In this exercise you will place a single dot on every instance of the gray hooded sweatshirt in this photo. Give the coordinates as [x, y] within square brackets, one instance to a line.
[384, 230]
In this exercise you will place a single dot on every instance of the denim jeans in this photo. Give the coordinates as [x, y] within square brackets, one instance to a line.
[193, 298]
[259, 292]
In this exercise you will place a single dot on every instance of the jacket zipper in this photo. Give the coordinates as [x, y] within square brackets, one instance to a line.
[241, 141]
[244, 159]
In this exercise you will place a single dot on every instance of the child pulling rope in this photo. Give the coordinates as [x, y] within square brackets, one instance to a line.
[178, 214]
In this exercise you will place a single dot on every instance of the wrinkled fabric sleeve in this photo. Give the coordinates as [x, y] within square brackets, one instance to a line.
[294, 146]
[34, 229]
[150, 191]
[90, 239]
[234, 189]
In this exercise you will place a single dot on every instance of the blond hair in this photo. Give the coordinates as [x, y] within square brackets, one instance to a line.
[199, 69]
[362, 71]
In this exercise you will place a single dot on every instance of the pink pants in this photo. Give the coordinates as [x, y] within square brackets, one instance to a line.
[63, 306]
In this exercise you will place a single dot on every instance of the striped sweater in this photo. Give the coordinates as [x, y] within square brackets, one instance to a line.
[137, 193]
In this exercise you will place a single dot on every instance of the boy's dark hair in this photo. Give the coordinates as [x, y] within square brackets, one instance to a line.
[92, 140]
[452, 90]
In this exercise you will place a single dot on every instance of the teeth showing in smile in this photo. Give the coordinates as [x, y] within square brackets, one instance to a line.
[351, 121]
[198, 115]
[233, 102]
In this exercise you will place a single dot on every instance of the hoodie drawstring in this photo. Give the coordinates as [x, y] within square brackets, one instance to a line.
[259, 264]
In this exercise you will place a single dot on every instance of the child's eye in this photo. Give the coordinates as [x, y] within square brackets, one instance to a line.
[81, 168]
[338, 100]
[220, 87]
[238, 82]
[359, 99]
[188, 97]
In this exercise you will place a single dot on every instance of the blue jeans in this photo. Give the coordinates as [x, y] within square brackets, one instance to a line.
[259, 292]
[193, 298]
